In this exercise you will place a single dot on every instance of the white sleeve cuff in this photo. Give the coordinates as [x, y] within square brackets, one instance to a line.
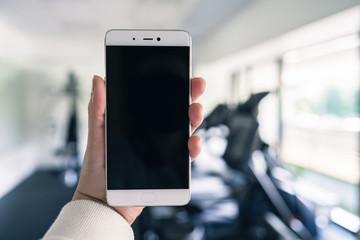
[84, 219]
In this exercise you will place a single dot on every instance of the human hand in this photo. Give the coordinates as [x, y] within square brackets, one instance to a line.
[92, 185]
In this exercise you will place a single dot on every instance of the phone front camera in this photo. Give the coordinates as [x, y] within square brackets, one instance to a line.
[158, 39]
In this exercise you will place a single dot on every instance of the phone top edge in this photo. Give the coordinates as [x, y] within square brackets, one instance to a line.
[129, 37]
[146, 30]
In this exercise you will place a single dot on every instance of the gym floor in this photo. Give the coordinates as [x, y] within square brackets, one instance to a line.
[29, 209]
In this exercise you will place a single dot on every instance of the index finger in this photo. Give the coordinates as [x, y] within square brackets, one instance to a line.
[197, 88]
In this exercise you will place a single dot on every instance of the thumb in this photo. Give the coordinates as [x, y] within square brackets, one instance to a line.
[96, 124]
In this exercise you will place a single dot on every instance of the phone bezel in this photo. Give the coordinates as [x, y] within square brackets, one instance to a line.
[148, 197]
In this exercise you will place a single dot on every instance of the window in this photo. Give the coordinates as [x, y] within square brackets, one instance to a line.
[264, 77]
[320, 116]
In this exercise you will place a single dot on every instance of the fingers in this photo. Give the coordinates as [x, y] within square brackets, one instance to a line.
[97, 102]
[197, 88]
[96, 125]
[195, 115]
[194, 145]
[195, 109]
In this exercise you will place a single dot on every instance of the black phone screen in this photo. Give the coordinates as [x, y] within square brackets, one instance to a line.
[147, 123]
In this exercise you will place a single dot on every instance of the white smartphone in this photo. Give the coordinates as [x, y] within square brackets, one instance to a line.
[147, 124]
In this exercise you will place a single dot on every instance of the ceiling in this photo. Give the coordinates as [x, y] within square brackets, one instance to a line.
[66, 30]
[69, 34]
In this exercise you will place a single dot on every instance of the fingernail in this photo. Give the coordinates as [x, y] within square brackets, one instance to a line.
[93, 85]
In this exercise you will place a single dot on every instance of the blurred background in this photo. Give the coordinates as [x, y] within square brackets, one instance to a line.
[280, 155]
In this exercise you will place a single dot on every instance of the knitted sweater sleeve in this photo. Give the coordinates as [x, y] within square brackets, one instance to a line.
[84, 219]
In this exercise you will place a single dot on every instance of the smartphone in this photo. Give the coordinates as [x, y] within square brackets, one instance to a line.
[147, 123]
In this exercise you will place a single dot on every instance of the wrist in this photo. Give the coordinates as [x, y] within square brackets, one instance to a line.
[78, 195]
[128, 213]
